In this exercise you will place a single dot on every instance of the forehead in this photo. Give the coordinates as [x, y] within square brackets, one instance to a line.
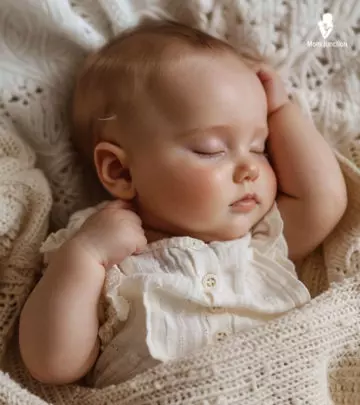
[213, 89]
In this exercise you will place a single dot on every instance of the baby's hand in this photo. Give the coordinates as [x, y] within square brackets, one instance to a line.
[112, 234]
[274, 88]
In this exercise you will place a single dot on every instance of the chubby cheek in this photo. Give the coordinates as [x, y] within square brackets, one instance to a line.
[269, 183]
[199, 191]
[190, 192]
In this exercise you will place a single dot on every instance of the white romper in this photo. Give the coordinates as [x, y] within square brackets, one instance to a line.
[182, 293]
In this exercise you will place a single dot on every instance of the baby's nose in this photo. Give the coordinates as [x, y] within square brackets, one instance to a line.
[246, 172]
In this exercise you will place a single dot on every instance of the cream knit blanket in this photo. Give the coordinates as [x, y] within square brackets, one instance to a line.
[312, 355]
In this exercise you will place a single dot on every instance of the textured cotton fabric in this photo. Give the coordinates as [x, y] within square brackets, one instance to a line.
[310, 356]
[181, 294]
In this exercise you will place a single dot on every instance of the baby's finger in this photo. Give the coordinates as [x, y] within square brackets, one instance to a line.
[266, 78]
[274, 88]
[264, 75]
[118, 204]
[141, 244]
[131, 216]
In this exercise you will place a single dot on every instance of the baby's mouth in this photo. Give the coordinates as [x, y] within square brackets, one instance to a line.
[246, 204]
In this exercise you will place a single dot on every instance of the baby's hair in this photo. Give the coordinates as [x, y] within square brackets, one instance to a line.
[111, 78]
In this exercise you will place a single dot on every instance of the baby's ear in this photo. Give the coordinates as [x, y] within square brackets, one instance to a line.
[112, 168]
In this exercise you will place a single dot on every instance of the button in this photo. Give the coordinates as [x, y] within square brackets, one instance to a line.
[220, 336]
[216, 310]
[209, 281]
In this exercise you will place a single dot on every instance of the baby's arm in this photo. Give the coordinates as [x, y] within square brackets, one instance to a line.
[59, 322]
[312, 193]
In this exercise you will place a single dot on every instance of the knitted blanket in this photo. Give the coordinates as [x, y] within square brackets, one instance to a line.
[310, 356]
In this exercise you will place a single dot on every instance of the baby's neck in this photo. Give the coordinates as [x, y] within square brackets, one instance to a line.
[154, 235]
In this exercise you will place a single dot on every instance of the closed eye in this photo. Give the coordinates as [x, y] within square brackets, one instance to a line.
[261, 153]
[209, 154]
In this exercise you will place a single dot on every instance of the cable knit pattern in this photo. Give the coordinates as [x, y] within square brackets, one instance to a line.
[310, 356]
[25, 203]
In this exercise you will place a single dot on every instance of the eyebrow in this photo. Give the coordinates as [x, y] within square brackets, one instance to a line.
[214, 128]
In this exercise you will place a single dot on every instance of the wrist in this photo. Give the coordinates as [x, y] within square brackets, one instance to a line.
[80, 245]
[281, 107]
[76, 256]
[274, 115]
[72, 263]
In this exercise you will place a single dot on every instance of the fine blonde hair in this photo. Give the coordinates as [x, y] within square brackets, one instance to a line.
[110, 80]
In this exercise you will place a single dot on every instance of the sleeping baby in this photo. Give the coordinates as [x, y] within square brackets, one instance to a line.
[216, 182]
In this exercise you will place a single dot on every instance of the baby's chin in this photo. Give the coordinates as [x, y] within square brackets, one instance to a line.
[225, 234]
[236, 228]
[225, 230]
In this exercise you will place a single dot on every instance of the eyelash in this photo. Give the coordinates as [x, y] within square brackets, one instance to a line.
[260, 153]
[208, 154]
[220, 153]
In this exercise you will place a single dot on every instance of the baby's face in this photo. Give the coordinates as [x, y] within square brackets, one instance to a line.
[199, 148]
